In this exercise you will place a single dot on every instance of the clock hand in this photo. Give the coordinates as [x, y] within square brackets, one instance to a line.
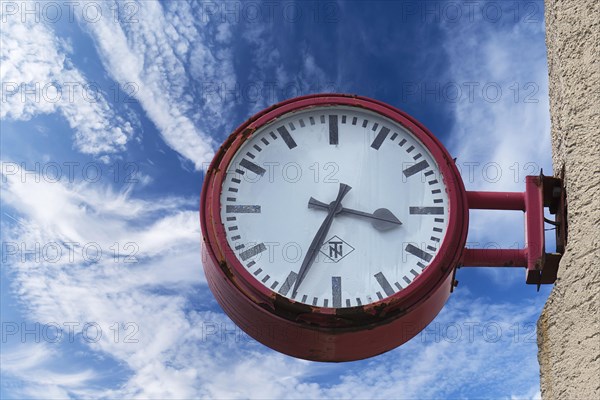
[317, 242]
[382, 219]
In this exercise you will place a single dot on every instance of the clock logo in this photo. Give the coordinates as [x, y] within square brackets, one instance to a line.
[335, 249]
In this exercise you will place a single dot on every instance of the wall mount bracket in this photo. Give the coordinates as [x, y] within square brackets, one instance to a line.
[540, 192]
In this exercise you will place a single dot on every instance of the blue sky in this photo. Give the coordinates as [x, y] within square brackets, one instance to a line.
[110, 112]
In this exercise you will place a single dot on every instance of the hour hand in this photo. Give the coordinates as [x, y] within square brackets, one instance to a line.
[382, 219]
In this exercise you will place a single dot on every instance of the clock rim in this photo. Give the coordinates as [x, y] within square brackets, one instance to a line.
[399, 303]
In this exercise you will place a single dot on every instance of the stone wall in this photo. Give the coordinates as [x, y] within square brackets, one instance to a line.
[569, 327]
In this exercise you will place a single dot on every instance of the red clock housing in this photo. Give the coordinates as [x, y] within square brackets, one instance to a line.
[318, 333]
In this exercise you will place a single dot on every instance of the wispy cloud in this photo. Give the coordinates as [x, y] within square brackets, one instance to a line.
[39, 77]
[501, 131]
[182, 350]
[166, 53]
[150, 276]
[502, 115]
[36, 359]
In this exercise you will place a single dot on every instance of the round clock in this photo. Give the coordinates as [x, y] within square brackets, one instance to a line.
[332, 225]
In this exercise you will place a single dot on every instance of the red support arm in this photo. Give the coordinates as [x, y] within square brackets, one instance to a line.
[533, 256]
[496, 200]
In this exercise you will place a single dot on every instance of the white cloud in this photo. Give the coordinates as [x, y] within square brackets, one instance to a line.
[154, 53]
[35, 359]
[178, 353]
[499, 138]
[506, 128]
[185, 351]
[163, 239]
[38, 77]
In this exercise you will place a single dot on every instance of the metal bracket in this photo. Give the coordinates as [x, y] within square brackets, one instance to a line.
[540, 192]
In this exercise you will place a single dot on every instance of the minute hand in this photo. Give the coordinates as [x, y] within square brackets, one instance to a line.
[319, 238]
[382, 219]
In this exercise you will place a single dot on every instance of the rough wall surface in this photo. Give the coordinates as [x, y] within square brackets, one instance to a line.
[569, 327]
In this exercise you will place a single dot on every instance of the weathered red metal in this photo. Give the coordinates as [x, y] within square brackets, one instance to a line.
[318, 333]
[540, 191]
[496, 200]
[494, 258]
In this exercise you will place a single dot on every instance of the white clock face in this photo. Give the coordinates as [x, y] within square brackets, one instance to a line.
[384, 231]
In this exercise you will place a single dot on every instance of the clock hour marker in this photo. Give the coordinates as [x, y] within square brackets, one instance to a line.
[287, 138]
[365, 123]
[418, 167]
[406, 280]
[326, 303]
[304, 298]
[236, 237]
[398, 285]
[266, 278]
[302, 124]
[249, 165]
[336, 291]
[358, 301]
[322, 119]
[426, 210]
[289, 282]
[417, 252]
[258, 148]
[252, 209]
[348, 303]
[379, 296]
[252, 251]
[274, 285]
[402, 142]
[258, 271]
[383, 282]
[246, 209]
[383, 132]
[412, 271]
[435, 239]
[411, 148]
[251, 263]
[333, 129]
[273, 135]
[394, 136]
[354, 119]
[315, 300]
[265, 141]
[421, 265]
